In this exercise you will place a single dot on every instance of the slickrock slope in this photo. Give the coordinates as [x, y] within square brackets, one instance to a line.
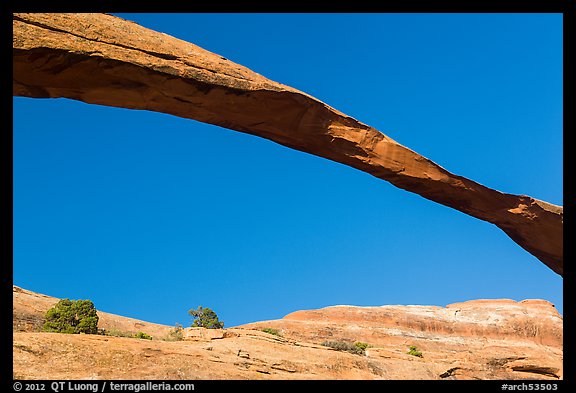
[475, 339]
[30, 308]
[483, 339]
[105, 60]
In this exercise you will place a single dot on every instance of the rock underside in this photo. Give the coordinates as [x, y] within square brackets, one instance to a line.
[480, 339]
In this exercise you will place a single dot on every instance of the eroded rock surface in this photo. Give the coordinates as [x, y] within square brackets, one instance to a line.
[481, 339]
[476, 339]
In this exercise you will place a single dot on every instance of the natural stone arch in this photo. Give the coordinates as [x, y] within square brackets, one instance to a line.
[102, 59]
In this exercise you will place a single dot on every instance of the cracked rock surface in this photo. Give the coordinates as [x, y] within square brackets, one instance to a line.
[479, 339]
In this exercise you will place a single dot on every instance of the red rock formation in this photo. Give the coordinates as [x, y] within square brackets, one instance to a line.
[480, 339]
[474, 339]
[530, 320]
[105, 60]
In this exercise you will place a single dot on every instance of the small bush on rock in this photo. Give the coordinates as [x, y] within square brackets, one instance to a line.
[176, 334]
[116, 333]
[357, 348]
[143, 336]
[275, 332]
[414, 351]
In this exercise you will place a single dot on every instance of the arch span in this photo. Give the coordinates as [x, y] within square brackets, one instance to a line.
[102, 59]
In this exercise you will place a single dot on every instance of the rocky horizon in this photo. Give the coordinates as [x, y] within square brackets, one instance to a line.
[477, 339]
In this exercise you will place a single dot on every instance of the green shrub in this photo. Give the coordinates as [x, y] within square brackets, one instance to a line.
[414, 351]
[143, 336]
[116, 333]
[205, 317]
[361, 346]
[275, 332]
[72, 316]
[346, 346]
[176, 334]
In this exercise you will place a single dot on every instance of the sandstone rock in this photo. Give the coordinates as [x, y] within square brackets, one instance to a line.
[484, 339]
[478, 341]
[30, 308]
[200, 333]
[105, 60]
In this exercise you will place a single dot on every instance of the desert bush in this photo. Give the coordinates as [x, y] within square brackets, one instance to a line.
[116, 333]
[346, 346]
[361, 345]
[72, 316]
[143, 336]
[176, 334]
[273, 331]
[205, 317]
[414, 351]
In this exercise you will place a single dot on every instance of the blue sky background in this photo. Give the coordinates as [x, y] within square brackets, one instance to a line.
[149, 215]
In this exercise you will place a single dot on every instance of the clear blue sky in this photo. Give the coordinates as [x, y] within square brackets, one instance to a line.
[149, 215]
